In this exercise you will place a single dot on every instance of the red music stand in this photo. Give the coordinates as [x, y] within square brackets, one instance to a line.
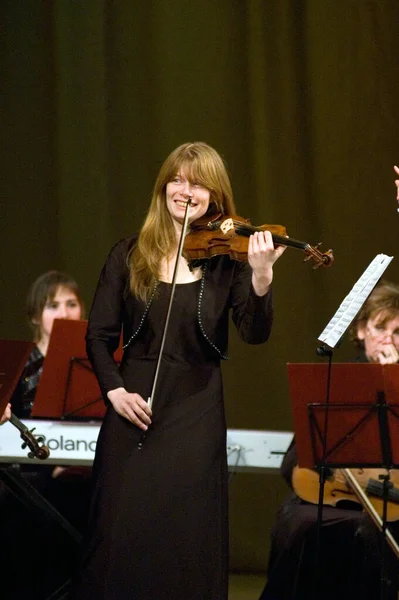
[363, 414]
[13, 357]
[68, 388]
[347, 415]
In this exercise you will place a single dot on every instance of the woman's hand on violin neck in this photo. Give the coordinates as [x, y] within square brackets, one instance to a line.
[131, 406]
[261, 257]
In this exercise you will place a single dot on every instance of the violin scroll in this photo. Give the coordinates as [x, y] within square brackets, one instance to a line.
[320, 259]
[35, 444]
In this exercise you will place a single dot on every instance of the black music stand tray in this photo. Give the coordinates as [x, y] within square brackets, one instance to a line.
[68, 388]
[363, 419]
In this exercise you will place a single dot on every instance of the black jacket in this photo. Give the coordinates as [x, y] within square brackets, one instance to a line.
[226, 285]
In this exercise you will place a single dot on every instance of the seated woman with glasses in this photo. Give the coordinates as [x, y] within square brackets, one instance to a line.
[349, 553]
[375, 331]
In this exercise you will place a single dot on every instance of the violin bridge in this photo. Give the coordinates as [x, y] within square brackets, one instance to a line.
[227, 226]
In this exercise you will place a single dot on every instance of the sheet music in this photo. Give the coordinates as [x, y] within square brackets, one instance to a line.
[353, 302]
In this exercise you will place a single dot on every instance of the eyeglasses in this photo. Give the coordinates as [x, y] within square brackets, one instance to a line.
[380, 333]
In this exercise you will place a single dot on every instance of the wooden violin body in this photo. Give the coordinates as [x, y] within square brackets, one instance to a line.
[306, 484]
[221, 234]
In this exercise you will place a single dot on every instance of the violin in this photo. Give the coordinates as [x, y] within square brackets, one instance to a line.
[306, 484]
[222, 234]
[35, 444]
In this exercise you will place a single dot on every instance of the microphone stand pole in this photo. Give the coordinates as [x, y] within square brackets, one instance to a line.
[172, 293]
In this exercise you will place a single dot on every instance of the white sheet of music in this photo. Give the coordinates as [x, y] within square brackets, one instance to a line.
[353, 302]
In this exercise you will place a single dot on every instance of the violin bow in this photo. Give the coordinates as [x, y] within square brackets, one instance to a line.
[172, 294]
[363, 499]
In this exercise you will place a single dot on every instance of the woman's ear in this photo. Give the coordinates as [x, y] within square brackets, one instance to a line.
[361, 332]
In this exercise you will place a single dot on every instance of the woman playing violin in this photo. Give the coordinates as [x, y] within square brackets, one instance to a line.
[158, 526]
[350, 554]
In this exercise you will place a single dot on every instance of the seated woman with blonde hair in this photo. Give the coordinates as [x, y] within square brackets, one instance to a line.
[350, 551]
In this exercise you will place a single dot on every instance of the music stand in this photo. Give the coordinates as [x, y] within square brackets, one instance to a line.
[363, 429]
[363, 414]
[68, 388]
[14, 355]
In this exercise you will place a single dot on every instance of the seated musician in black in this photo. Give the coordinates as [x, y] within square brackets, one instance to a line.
[33, 563]
[349, 560]
[53, 295]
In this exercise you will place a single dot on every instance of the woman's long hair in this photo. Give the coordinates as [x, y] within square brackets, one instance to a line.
[157, 239]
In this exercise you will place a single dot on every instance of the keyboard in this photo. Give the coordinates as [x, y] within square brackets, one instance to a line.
[74, 443]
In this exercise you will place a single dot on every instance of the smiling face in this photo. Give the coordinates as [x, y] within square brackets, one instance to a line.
[195, 169]
[179, 190]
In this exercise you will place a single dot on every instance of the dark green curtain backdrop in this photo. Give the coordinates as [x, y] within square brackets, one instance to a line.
[301, 99]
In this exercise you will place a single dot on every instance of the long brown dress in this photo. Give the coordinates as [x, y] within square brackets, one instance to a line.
[159, 528]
